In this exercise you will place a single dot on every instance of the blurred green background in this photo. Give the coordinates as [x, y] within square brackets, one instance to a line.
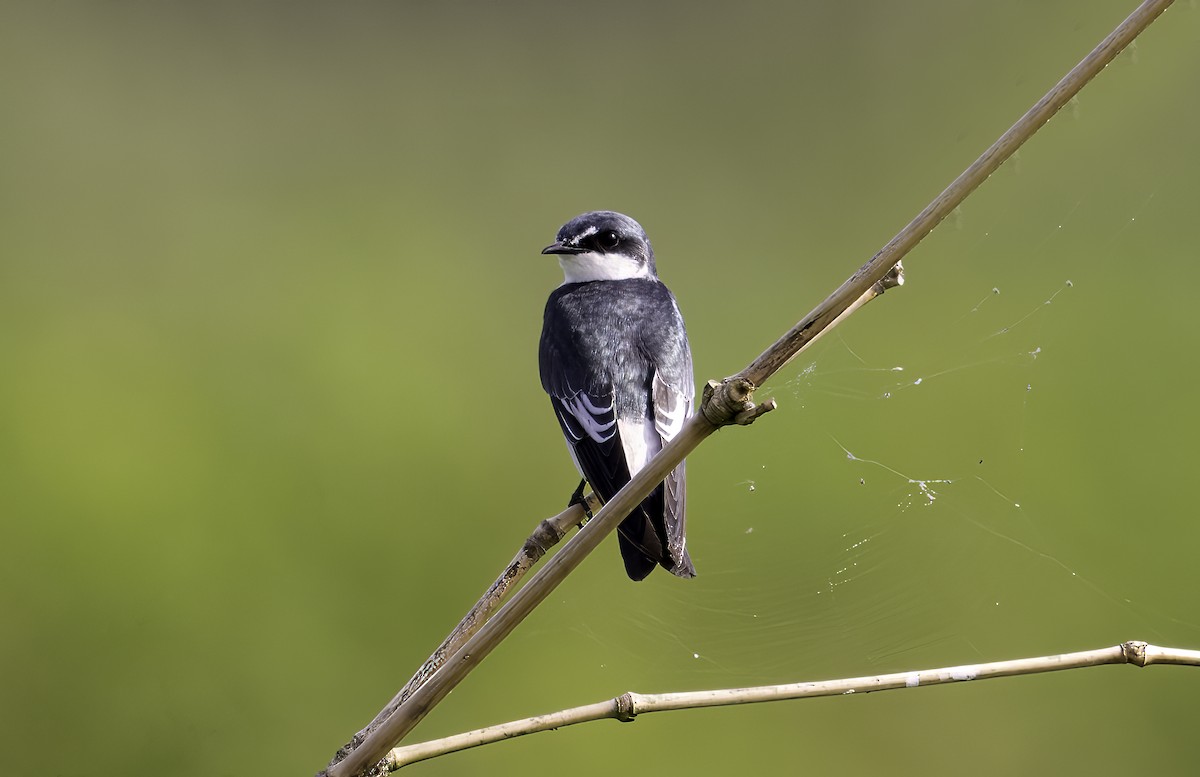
[270, 295]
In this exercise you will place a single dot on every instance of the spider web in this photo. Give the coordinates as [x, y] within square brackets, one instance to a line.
[919, 503]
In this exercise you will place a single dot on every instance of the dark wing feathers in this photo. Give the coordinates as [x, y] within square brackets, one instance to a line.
[587, 405]
[589, 425]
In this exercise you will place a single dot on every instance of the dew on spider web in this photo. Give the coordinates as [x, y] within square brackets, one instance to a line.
[840, 371]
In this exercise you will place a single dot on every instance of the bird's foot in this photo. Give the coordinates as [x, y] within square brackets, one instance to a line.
[577, 498]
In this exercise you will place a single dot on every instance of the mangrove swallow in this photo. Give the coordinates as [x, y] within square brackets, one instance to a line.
[615, 361]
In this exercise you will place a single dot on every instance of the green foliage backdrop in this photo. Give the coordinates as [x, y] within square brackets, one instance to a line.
[269, 415]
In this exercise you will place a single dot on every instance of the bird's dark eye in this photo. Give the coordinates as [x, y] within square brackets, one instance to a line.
[608, 240]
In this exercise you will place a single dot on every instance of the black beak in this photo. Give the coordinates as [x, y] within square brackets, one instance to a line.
[561, 248]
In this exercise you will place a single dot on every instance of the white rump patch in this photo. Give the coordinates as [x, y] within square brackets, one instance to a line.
[591, 266]
[640, 441]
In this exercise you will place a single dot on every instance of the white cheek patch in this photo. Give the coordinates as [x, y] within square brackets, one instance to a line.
[591, 266]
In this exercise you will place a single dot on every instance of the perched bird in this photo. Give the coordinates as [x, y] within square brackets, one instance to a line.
[615, 361]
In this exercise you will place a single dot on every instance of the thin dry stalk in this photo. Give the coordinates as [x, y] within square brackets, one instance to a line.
[625, 707]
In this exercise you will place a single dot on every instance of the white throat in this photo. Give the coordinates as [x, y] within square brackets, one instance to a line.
[591, 266]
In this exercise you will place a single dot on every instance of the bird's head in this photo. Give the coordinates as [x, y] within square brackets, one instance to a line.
[603, 246]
